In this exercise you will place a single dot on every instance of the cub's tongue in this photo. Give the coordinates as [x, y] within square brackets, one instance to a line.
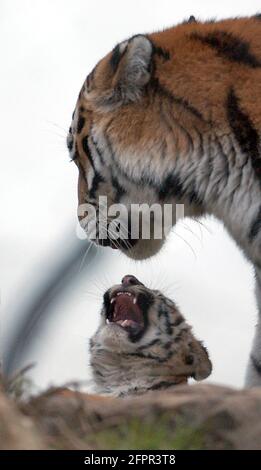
[126, 312]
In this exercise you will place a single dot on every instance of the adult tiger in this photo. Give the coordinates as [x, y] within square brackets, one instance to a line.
[173, 117]
[143, 343]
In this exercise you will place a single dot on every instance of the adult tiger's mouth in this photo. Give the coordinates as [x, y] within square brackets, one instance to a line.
[125, 311]
[117, 243]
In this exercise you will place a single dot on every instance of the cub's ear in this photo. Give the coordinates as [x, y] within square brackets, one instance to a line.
[128, 71]
[200, 362]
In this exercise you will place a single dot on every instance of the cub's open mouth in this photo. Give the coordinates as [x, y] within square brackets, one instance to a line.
[125, 312]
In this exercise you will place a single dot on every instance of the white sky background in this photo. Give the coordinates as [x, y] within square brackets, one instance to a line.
[47, 47]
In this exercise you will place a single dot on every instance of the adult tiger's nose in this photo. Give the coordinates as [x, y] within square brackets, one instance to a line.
[130, 280]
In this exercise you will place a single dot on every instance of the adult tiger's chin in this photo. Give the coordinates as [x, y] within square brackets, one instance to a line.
[144, 249]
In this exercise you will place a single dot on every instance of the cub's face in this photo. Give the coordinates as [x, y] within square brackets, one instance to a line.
[117, 141]
[130, 315]
[139, 324]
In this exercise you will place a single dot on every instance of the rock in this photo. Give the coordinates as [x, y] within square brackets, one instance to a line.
[196, 416]
[16, 430]
[200, 416]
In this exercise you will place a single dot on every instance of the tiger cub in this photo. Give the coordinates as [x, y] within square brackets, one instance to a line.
[143, 343]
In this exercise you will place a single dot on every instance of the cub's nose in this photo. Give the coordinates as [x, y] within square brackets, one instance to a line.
[130, 280]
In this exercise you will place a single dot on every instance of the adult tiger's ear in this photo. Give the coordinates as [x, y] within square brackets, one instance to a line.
[128, 71]
[192, 19]
[199, 360]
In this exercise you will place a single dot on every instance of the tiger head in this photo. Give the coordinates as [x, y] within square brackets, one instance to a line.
[143, 342]
[123, 142]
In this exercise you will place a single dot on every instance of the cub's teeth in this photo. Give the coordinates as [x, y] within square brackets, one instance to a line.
[134, 300]
[113, 300]
[108, 321]
[125, 323]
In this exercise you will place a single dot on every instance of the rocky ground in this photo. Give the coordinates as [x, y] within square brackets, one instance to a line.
[200, 416]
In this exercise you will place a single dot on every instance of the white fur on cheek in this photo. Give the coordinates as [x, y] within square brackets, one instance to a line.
[90, 177]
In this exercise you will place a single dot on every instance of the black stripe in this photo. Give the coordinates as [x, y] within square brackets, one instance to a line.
[151, 343]
[96, 146]
[158, 359]
[163, 384]
[97, 180]
[195, 198]
[256, 364]
[256, 227]
[164, 312]
[80, 124]
[87, 150]
[98, 372]
[116, 57]
[120, 191]
[159, 51]
[158, 88]
[244, 131]
[229, 47]
[171, 187]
